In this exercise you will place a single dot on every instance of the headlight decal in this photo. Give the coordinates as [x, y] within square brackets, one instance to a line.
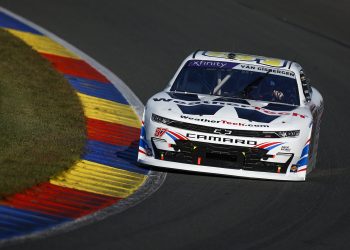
[290, 133]
[160, 119]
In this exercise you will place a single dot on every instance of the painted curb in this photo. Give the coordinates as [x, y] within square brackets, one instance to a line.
[107, 180]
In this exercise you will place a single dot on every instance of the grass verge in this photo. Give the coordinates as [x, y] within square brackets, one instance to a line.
[42, 128]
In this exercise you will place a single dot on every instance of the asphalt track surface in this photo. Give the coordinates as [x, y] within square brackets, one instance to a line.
[143, 43]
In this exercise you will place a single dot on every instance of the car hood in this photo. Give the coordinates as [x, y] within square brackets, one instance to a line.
[228, 112]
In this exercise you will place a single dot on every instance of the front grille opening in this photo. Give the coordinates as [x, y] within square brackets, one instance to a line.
[223, 160]
[220, 157]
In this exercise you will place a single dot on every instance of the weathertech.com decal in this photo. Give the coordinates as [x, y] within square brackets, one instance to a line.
[225, 122]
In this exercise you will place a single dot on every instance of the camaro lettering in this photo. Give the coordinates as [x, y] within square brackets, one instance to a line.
[204, 137]
[229, 140]
[214, 138]
[220, 139]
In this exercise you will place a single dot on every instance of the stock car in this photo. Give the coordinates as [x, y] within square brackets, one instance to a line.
[234, 114]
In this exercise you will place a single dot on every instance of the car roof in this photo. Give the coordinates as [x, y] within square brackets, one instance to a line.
[245, 58]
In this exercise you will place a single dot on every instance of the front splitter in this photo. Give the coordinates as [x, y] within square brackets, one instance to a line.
[148, 160]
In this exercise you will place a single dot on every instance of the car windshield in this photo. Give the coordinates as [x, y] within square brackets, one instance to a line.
[238, 81]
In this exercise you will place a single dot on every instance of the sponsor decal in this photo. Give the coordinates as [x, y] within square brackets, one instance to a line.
[233, 104]
[211, 64]
[273, 71]
[225, 122]
[210, 138]
[285, 148]
[293, 168]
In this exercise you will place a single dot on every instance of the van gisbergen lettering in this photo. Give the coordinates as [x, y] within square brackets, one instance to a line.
[286, 73]
[238, 105]
[220, 139]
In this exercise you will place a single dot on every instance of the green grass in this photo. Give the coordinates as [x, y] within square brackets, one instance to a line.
[42, 127]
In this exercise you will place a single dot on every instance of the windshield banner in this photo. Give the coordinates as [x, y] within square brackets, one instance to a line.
[247, 67]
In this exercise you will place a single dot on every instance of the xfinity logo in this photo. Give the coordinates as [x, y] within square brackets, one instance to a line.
[207, 64]
[220, 139]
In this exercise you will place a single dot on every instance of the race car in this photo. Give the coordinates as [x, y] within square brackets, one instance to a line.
[234, 114]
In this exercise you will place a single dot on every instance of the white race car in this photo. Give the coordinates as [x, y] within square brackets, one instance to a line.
[234, 114]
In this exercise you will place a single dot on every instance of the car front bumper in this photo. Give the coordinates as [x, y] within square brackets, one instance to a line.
[289, 176]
